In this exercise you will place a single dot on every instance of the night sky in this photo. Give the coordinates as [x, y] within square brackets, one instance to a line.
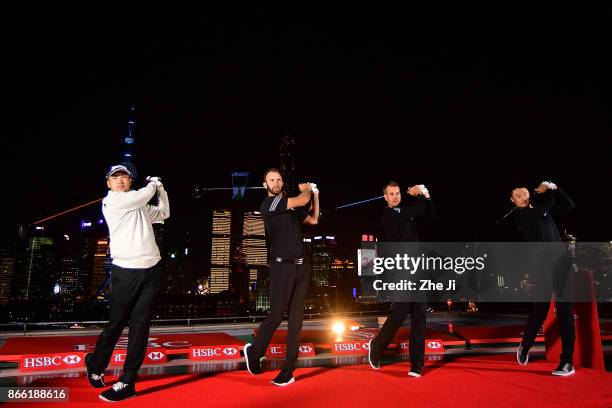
[467, 101]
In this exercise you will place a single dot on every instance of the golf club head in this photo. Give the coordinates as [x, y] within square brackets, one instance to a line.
[198, 191]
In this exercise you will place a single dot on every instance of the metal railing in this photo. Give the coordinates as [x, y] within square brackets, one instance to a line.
[31, 327]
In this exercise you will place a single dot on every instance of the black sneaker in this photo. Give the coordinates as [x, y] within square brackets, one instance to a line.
[284, 378]
[522, 355]
[564, 369]
[253, 363]
[416, 370]
[373, 358]
[118, 392]
[96, 380]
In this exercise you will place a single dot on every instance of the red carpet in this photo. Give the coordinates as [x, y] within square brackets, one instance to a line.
[488, 381]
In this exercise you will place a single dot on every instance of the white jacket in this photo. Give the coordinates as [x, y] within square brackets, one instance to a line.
[129, 219]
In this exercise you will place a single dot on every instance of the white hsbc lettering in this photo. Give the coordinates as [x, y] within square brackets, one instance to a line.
[276, 350]
[206, 352]
[350, 346]
[42, 362]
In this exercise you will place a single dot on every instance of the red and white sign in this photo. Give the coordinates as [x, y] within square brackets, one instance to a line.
[153, 356]
[280, 350]
[433, 346]
[57, 361]
[350, 347]
[224, 352]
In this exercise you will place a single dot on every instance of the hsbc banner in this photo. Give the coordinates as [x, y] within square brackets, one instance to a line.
[280, 350]
[433, 346]
[57, 361]
[205, 353]
[153, 356]
[350, 347]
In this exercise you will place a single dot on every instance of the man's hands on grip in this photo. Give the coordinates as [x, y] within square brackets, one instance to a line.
[308, 187]
[156, 180]
[545, 186]
[418, 189]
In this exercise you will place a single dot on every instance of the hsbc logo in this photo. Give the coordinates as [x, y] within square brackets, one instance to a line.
[206, 352]
[37, 362]
[214, 352]
[280, 350]
[50, 362]
[350, 348]
[152, 356]
[156, 355]
[305, 349]
[72, 359]
[434, 345]
[431, 347]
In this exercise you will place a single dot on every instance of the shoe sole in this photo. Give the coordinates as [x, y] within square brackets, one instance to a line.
[518, 358]
[370, 355]
[563, 374]
[291, 381]
[413, 374]
[246, 357]
[107, 400]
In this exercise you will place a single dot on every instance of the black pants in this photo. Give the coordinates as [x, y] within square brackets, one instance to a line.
[565, 317]
[288, 288]
[132, 295]
[561, 283]
[418, 318]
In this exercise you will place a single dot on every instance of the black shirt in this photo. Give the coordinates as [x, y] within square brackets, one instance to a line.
[283, 227]
[536, 223]
[399, 224]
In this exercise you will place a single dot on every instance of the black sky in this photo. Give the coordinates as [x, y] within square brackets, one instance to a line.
[468, 101]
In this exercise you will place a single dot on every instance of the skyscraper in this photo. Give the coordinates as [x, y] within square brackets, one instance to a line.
[256, 254]
[101, 267]
[128, 141]
[320, 250]
[323, 249]
[66, 286]
[36, 282]
[220, 251]
[8, 266]
[343, 281]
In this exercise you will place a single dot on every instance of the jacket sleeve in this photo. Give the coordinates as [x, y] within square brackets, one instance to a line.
[132, 200]
[161, 211]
